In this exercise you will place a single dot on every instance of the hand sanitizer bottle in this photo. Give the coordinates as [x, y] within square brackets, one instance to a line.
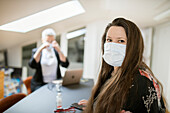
[59, 100]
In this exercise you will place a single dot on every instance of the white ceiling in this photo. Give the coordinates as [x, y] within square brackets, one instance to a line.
[141, 12]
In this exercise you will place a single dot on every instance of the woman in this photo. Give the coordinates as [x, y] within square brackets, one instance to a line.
[46, 60]
[125, 83]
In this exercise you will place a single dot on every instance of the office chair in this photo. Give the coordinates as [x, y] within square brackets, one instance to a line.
[27, 83]
[9, 101]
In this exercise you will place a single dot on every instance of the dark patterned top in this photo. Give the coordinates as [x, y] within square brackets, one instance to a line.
[144, 95]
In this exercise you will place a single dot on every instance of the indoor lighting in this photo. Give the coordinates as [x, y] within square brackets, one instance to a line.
[76, 33]
[46, 17]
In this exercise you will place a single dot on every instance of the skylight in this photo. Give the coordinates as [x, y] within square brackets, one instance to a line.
[46, 17]
[76, 33]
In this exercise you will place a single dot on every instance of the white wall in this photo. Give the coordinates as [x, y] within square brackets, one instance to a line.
[15, 53]
[64, 49]
[14, 56]
[64, 43]
[161, 56]
[147, 37]
[92, 50]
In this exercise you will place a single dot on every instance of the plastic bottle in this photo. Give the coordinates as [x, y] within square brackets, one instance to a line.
[59, 100]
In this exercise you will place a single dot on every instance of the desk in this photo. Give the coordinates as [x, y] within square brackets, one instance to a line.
[43, 100]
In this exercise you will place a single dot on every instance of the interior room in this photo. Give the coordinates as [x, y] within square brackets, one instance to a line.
[79, 30]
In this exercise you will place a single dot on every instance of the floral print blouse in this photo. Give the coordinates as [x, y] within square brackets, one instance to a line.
[144, 95]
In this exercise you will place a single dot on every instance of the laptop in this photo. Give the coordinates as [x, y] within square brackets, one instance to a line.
[72, 76]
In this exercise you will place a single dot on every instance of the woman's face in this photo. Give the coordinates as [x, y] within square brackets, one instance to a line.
[49, 39]
[116, 34]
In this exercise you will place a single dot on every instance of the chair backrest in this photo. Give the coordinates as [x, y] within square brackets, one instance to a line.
[9, 101]
[1, 84]
[27, 83]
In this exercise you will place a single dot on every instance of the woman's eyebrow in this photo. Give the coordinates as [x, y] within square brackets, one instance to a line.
[109, 36]
[120, 37]
[117, 37]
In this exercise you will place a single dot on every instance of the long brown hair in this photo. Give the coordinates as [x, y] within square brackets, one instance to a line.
[109, 95]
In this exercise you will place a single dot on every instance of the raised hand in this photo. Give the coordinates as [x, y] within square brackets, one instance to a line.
[56, 46]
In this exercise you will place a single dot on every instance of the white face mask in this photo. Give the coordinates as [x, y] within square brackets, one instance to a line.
[50, 46]
[114, 53]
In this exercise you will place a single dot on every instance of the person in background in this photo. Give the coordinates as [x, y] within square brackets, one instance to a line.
[46, 60]
[125, 83]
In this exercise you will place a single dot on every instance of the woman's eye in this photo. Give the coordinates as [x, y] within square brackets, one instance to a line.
[108, 40]
[121, 41]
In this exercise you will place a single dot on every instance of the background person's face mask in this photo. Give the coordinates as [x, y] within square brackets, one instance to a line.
[114, 53]
[50, 46]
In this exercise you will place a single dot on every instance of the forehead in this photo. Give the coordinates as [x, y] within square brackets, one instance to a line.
[49, 37]
[116, 31]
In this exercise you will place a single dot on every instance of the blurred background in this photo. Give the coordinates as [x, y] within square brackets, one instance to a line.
[79, 25]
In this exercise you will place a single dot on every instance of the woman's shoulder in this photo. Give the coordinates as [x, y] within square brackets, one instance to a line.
[146, 74]
[144, 93]
[147, 83]
[146, 77]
